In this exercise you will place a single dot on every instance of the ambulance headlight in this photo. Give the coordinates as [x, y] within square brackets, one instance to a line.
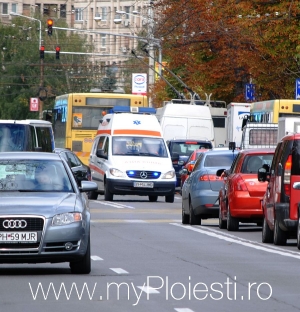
[169, 175]
[117, 173]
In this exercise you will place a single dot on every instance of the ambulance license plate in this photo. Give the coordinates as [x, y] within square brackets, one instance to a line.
[143, 184]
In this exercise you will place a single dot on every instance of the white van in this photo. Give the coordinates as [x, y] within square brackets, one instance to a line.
[26, 135]
[129, 156]
[183, 121]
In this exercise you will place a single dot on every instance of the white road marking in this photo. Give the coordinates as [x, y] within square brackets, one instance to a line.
[113, 204]
[96, 258]
[119, 270]
[148, 289]
[241, 241]
[183, 310]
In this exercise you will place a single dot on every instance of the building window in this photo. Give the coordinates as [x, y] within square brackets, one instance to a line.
[14, 7]
[103, 41]
[79, 14]
[63, 11]
[4, 8]
[104, 14]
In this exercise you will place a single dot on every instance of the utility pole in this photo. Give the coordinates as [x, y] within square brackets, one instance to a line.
[151, 51]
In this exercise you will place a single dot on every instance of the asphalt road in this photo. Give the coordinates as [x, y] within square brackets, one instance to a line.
[144, 259]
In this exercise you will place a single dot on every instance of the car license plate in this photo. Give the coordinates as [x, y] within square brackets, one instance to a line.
[143, 184]
[18, 237]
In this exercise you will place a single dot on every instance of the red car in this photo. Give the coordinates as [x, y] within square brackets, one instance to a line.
[241, 195]
[189, 166]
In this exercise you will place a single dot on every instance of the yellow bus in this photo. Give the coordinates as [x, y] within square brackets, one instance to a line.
[270, 111]
[76, 116]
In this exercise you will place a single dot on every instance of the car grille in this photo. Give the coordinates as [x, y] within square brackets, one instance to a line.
[33, 224]
[147, 175]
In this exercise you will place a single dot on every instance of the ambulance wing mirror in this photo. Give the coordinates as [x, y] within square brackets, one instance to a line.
[100, 153]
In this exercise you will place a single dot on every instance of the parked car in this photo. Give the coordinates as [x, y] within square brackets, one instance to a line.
[189, 166]
[241, 194]
[200, 192]
[44, 215]
[181, 149]
[81, 171]
[281, 202]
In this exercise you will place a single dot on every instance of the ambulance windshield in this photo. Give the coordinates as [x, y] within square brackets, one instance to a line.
[139, 146]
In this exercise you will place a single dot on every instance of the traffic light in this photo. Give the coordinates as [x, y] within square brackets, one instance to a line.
[42, 52]
[50, 24]
[57, 50]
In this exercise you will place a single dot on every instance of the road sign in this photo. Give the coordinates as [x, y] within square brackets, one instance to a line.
[249, 92]
[297, 91]
[34, 104]
[139, 84]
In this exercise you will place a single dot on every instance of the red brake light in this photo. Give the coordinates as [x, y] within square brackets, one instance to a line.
[209, 177]
[240, 184]
[190, 167]
[287, 176]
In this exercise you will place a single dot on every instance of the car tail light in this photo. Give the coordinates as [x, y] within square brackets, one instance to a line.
[209, 177]
[240, 184]
[287, 176]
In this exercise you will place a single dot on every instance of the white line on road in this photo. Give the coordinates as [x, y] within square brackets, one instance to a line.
[119, 270]
[240, 241]
[183, 310]
[113, 204]
[96, 258]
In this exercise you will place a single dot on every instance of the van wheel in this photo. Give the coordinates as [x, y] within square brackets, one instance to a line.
[280, 236]
[108, 196]
[152, 198]
[170, 198]
[92, 195]
[232, 223]
[267, 236]
[298, 234]
[194, 220]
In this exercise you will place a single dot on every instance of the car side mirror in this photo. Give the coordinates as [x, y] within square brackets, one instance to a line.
[222, 172]
[263, 174]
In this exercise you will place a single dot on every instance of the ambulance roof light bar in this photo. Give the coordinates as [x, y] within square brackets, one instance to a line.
[131, 109]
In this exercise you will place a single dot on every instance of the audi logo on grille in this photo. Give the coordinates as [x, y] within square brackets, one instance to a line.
[14, 224]
[143, 175]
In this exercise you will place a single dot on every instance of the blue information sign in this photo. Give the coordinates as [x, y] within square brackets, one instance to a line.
[249, 92]
[297, 91]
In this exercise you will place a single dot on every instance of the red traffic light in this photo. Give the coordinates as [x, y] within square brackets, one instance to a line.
[42, 54]
[57, 50]
[42, 48]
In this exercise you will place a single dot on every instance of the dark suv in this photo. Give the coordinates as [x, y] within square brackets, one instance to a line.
[281, 201]
[180, 151]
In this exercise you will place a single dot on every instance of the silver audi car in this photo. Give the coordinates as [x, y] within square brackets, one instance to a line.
[44, 214]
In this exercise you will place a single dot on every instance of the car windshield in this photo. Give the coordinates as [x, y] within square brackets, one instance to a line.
[139, 146]
[34, 175]
[188, 147]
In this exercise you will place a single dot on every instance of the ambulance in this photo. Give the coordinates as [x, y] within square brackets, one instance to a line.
[129, 156]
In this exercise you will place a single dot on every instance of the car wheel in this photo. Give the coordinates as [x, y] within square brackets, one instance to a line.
[280, 236]
[298, 234]
[84, 265]
[266, 234]
[185, 217]
[232, 223]
[153, 198]
[92, 195]
[108, 196]
[194, 220]
[170, 198]
[222, 223]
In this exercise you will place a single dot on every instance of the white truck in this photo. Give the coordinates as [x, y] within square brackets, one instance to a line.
[184, 121]
[236, 113]
[287, 125]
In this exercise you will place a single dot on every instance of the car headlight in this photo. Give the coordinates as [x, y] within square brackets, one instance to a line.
[117, 172]
[169, 175]
[66, 218]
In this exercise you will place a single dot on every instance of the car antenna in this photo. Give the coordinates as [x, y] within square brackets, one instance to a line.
[179, 95]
